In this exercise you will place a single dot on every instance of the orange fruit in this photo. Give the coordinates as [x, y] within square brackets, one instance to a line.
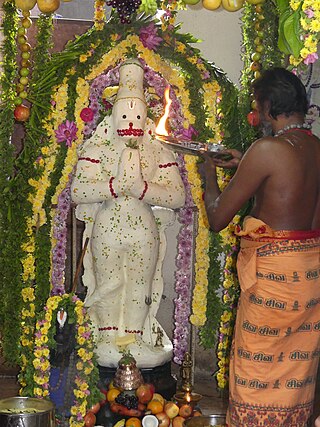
[157, 396]
[111, 385]
[155, 406]
[112, 394]
[133, 422]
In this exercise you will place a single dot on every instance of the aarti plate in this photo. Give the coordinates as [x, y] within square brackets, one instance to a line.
[191, 147]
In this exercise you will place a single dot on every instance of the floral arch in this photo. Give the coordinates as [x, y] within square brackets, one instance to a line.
[69, 93]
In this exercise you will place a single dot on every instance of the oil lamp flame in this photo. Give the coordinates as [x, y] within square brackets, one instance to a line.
[161, 128]
[187, 397]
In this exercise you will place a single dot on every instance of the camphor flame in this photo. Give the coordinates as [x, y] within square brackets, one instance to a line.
[161, 128]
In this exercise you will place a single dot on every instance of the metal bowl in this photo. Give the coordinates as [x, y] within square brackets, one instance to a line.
[26, 412]
[206, 421]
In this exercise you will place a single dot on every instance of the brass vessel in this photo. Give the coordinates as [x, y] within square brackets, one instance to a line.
[127, 376]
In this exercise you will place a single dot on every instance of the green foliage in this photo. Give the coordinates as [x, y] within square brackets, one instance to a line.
[271, 57]
[9, 267]
[289, 40]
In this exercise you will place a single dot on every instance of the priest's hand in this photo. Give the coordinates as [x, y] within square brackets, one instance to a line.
[230, 158]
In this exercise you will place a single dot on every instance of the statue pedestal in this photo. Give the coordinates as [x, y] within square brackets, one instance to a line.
[160, 376]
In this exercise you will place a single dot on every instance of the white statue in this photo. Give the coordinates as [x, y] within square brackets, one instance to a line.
[126, 185]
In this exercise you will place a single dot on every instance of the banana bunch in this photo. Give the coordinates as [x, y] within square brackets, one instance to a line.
[120, 423]
[149, 7]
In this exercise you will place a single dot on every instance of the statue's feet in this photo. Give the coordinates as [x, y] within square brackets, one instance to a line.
[146, 355]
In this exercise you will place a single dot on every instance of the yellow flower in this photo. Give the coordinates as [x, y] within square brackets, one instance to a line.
[294, 61]
[315, 26]
[81, 352]
[304, 52]
[84, 386]
[38, 391]
[28, 294]
[79, 366]
[78, 394]
[44, 339]
[74, 410]
[81, 340]
[88, 370]
[226, 316]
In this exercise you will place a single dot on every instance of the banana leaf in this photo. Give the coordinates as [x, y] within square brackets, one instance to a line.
[291, 30]
[283, 44]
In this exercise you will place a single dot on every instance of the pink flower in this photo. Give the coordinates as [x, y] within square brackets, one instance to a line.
[311, 58]
[149, 38]
[309, 13]
[66, 132]
[189, 133]
[205, 75]
[86, 115]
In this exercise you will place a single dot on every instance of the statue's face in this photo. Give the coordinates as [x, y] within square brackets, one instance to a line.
[129, 118]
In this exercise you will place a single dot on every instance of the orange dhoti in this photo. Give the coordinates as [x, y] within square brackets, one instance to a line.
[276, 348]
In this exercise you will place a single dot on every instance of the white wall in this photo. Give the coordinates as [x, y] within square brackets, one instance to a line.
[220, 32]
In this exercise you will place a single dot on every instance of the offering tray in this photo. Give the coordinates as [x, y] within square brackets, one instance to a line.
[191, 147]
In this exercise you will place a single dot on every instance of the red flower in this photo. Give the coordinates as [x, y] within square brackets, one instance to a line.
[86, 115]
[107, 104]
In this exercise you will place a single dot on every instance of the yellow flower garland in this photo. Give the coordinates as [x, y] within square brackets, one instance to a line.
[37, 219]
[85, 353]
[71, 158]
[225, 330]
[99, 14]
[199, 302]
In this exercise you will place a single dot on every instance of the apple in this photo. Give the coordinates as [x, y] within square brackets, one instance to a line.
[21, 113]
[164, 420]
[48, 6]
[232, 5]
[171, 409]
[253, 118]
[89, 419]
[25, 5]
[145, 392]
[95, 408]
[211, 4]
[178, 421]
[185, 411]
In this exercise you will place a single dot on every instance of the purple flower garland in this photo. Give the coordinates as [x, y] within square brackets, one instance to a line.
[183, 274]
[59, 233]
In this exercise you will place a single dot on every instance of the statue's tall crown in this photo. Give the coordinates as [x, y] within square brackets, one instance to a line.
[131, 80]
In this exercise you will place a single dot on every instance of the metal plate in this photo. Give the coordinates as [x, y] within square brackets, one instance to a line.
[191, 147]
